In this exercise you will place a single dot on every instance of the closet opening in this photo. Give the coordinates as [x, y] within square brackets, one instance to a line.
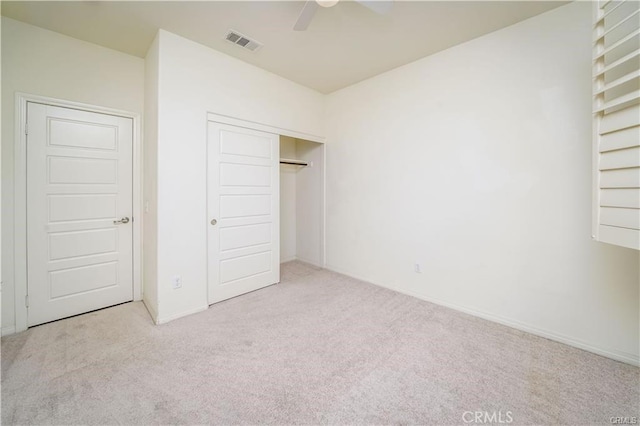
[301, 201]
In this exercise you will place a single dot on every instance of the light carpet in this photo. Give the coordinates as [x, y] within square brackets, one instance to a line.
[319, 348]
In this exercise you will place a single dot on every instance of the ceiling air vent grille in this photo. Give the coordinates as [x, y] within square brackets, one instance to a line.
[235, 37]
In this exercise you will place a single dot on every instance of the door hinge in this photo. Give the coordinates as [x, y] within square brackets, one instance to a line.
[26, 301]
[26, 128]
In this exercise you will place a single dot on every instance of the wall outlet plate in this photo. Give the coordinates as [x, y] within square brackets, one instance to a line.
[176, 281]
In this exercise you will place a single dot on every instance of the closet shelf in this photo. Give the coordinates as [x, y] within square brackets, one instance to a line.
[293, 162]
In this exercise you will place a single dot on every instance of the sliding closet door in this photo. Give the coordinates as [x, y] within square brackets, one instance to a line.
[243, 210]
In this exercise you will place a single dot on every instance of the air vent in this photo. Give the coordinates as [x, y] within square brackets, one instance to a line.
[243, 41]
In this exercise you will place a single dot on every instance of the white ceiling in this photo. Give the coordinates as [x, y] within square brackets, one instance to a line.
[343, 45]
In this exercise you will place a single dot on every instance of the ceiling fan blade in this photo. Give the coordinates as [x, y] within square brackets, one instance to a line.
[380, 7]
[306, 15]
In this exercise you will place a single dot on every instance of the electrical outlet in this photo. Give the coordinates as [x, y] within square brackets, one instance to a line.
[176, 281]
[417, 269]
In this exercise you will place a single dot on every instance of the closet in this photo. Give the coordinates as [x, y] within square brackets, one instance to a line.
[301, 201]
[265, 196]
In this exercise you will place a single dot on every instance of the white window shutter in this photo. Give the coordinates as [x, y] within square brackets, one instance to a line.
[616, 142]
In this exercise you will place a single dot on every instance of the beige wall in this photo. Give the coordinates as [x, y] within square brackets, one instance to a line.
[476, 163]
[41, 62]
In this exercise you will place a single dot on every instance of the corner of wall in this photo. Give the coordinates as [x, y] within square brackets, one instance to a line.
[150, 177]
[151, 308]
[0, 174]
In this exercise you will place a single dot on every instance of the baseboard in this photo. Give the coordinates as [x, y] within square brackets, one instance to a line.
[152, 311]
[164, 320]
[613, 354]
[11, 329]
[309, 262]
[300, 259]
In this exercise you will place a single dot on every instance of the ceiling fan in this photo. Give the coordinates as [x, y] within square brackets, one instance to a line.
[309, 9]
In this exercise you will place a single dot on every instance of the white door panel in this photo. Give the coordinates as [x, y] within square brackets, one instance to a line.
[237, 237]
[82, 170]
[85, 278]
[65, 208]
[246, 143]
[243, 198]
[244, 175]
[79, 181]
[65, 245]
[243, 206]
[82, 135]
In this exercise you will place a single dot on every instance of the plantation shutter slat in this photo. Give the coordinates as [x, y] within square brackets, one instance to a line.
[620, 197]
[616, 106]
[620, 62]
[625, 138]
[620, 120]
[605, 3]
[619, 101]
[619, 82]
[620, 159]
[628, 39]
[619, 236]
[622, 218]
[621, 178]
[611, 9]
[617, 25]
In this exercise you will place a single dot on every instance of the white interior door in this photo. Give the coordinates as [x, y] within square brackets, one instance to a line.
[243, 205]
[79, 206]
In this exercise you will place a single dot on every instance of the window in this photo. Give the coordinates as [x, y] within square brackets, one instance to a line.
[616, 144]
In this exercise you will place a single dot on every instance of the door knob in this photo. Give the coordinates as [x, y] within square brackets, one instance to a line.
[123, 220]
[213, 221]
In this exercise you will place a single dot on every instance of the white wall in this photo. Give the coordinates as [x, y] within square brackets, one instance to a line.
[41, 62]
[287, 201]
[310, 203]
[150, 179]
[1, 284]
[302, 202]
[475, 162]
[194, 80]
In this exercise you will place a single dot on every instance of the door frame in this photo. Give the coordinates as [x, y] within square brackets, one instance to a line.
[262, 127]
[20, 196]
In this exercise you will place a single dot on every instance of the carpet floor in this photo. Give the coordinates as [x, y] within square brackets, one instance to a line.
[319, 348]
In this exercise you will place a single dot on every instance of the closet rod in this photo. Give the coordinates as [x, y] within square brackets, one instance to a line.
[293, 162]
